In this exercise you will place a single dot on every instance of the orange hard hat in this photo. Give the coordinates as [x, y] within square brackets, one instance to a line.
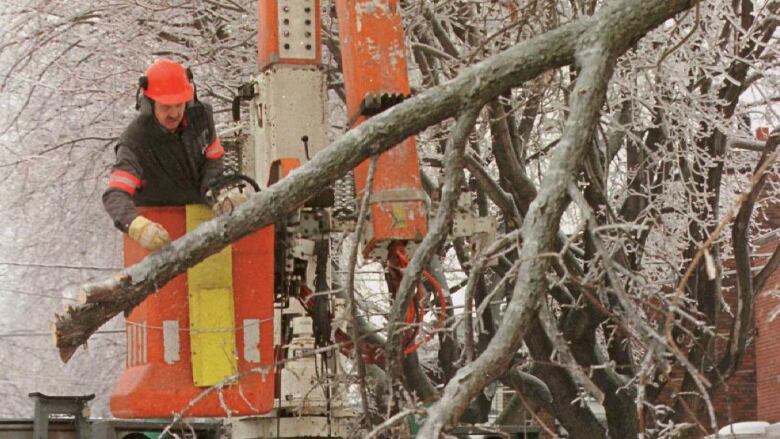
[167, 82]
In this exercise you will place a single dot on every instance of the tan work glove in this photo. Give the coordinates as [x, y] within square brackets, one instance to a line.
[228, 200]
[150, 235]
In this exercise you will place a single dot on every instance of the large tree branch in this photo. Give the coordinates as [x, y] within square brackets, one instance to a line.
[740, 327]
[449, 347]
[496, 194]
[533, 390]
[563, 386]
[433, 240]
[511, 175]
[760, 279]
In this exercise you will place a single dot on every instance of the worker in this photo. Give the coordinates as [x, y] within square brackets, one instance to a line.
[167, 156]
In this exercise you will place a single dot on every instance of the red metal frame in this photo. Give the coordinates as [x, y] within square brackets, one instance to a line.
[374, 62]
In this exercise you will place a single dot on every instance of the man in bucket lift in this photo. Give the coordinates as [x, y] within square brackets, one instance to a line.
[167, 156]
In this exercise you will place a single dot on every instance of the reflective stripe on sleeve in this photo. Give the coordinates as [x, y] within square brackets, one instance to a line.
[124, 181]
[215, 150]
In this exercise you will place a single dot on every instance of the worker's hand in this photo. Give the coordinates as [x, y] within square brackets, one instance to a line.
[228, 200]
[149, 234]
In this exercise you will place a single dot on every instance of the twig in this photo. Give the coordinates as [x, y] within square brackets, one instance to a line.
[679, 290]
[536, 417]
[560, 344]
[652, 340]
[391, 421]
[350, 290]
[682, 41]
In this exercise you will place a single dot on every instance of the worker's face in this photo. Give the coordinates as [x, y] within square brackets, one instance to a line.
[169, 116]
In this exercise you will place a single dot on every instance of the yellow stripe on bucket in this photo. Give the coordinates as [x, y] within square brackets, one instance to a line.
[212, 316]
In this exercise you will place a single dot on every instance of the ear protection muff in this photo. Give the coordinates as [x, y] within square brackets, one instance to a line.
[190, 76]
[143, 84]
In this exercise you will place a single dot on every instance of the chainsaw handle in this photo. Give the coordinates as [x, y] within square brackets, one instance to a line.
[227, 181]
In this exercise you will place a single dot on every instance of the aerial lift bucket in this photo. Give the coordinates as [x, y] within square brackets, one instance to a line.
[202, 345]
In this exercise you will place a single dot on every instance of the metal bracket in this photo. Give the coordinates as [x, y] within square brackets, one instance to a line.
[398, 195]
[314, 224]
[296, 29]
[302, 248]
[466, 224]
[46, 406]
[245, 93]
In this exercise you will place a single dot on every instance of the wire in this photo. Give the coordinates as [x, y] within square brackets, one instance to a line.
[47, 296]
[199, 330]
[48, 334]
[62, 266]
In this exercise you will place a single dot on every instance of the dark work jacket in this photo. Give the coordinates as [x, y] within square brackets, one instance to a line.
[155, 167]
